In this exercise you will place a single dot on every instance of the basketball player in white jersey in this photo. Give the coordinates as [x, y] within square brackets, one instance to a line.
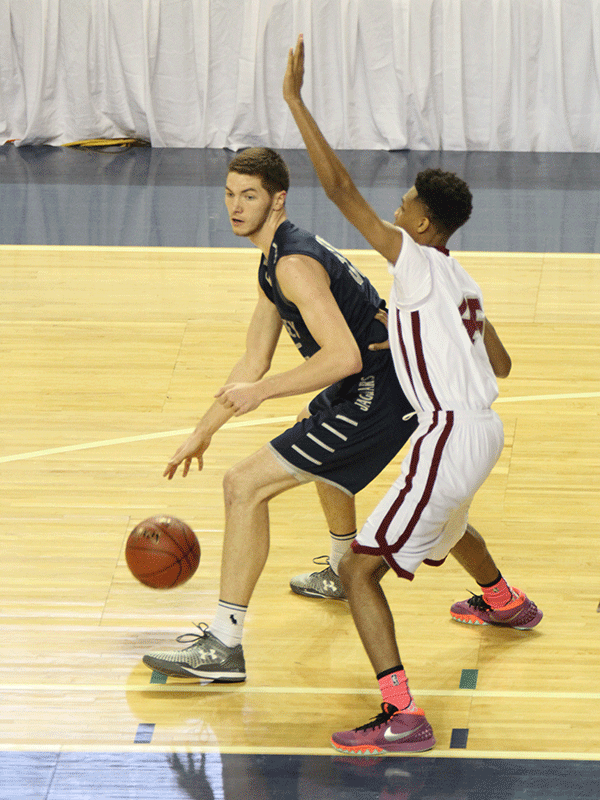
[438, 336]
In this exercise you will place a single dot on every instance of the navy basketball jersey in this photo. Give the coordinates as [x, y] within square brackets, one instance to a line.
[355, 295]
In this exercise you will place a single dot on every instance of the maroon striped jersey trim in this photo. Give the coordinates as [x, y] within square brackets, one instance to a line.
[404, 353]
[384, 548]
[423, 373]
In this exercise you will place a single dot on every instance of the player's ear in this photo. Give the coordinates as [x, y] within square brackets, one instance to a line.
[424, 224]
[279, 200]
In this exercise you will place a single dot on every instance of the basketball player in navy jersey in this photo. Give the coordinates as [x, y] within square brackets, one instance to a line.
[447, 357]
[346, 436]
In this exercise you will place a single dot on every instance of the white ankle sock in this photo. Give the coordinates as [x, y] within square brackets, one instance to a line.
[339, 545]
[228, 624]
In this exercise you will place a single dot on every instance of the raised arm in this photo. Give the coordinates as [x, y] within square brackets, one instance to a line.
[335, 179]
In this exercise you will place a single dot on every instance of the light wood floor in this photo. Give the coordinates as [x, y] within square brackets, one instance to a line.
[108, 356]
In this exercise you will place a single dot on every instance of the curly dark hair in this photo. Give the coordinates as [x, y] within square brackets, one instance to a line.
[267, 164]
[447, 197]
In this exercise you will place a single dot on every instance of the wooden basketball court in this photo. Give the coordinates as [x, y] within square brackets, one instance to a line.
[108, 358]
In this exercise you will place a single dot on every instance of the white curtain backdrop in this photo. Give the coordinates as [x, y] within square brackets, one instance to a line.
[381, 74]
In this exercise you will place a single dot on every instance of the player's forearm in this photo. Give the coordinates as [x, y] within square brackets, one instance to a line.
[245, 371]
[497, 353]
[333, 175]
[312, 375]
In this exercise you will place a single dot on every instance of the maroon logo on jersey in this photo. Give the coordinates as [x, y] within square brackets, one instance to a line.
[472, 316]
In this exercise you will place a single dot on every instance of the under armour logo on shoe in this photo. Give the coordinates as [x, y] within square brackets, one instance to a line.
[208, 655]
[329, 585]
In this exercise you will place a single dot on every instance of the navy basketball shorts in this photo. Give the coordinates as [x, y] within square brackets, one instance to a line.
[356, 427]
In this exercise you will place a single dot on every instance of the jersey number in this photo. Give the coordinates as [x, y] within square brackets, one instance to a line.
[356, 274]
[472, 316]
[293, 332]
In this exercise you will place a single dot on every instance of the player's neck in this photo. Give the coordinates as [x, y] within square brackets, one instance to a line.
[263, 237]
[432, 238]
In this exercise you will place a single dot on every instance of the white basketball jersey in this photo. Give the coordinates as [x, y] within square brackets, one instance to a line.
[436, 323]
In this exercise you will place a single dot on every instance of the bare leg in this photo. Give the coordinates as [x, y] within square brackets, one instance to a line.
[389, 731]
[338, 507]
[361, 575]
[340, 513]
[502, 605]
[472, 554]
[248, 487]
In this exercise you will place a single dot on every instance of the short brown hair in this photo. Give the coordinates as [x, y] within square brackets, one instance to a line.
[267, 164]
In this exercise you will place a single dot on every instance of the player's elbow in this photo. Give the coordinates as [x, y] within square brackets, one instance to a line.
[256, 366]
[338, 188]
[262, 369]
[357, 366]
[502, 369]
[350, 363]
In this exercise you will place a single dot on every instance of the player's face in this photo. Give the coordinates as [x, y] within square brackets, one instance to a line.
[410, 215]
[248, 203]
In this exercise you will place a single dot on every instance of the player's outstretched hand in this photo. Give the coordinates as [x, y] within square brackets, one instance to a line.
[294, 74]
[382, 316]
[194, 447]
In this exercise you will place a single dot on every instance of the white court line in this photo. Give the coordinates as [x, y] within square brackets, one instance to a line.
[209, 688]
[533, 398]
[262, 750]
[246, 424]
[144, 437]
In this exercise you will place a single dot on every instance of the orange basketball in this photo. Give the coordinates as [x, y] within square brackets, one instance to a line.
[162, 552]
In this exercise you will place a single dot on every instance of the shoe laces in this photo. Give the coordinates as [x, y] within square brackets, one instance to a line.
[477, 602]
[321, 561]
[386, 713]
[194, 638]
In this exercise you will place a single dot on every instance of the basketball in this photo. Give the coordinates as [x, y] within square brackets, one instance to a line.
[162, 552]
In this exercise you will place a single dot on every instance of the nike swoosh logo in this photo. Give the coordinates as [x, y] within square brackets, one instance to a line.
[393, 737]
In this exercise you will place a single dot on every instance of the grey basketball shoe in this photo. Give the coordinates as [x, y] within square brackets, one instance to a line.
[206, 657]
[319, 584]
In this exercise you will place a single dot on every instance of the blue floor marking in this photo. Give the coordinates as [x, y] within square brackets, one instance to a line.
[458, 740]
[468, 679]
[144, 733]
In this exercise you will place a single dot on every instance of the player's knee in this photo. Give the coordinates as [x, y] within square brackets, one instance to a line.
[244, 484]
[237, 486]
[356, 569]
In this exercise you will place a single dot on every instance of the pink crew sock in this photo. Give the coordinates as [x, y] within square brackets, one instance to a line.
[498, 594]
[394, 690]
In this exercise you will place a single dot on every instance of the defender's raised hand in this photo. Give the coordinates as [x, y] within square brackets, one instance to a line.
[294, 74]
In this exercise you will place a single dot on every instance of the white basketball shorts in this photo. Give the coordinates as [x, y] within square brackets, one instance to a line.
[425, 512]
